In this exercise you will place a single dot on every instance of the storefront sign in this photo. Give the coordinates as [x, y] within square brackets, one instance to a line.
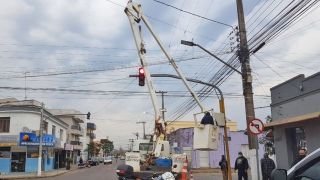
[31, 139]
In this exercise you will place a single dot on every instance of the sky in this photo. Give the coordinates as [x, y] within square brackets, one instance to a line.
[51, 46]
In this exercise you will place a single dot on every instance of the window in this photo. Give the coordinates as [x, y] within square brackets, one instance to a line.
[4, 124]
[309, 171]
[61, 134]
[45, 127]
[145, 146]
[5, 152]
[32, 151]
[53, 130]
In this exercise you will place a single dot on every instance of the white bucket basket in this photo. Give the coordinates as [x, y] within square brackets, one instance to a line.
[205, 137]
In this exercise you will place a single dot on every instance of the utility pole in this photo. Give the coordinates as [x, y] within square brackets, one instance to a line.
[137, 135]
[131, 145]
[162, 108]
[40, 141]
[247, 81]
[144, 128]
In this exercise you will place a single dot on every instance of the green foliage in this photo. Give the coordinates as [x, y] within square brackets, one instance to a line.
[107, 148]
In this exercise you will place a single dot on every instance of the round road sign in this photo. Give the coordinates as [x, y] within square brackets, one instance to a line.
[256, 126]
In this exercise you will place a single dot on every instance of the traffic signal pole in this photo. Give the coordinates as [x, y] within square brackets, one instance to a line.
[247, 84]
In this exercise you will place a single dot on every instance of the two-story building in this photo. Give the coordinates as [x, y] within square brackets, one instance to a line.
[295, 111]
[19, 129]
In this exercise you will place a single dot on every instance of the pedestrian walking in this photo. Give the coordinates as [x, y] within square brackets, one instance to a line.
[302, 154]
[241, 165]
[224, 167]
[267, 165]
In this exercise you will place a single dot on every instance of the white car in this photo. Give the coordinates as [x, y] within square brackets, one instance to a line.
[107, 160]
[306, 169]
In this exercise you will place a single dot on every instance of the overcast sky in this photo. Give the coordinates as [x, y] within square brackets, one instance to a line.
[88, 45]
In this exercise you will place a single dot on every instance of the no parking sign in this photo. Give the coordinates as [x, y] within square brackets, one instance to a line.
[256, 126]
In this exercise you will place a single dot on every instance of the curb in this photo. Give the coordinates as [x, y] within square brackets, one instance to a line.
[38, 177]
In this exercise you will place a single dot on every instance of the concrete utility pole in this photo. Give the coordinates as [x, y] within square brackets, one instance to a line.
[40, 141]
[162, 108]
[131, 145]
[144, 128]
[247, 82]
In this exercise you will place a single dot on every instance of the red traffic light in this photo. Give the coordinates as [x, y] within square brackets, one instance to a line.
[141, 77]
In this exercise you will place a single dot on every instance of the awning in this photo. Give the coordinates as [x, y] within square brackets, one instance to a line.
[295, 119]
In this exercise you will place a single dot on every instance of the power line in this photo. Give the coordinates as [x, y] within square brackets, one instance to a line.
[187, 12]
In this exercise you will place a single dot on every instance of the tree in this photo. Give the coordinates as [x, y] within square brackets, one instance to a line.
[93, 149]
[90, 149]
[107, 148]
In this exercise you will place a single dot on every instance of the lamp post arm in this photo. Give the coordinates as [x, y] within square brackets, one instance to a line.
[218, 58]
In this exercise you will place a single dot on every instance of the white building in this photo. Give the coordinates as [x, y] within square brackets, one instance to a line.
[76, 143]
[23, 117]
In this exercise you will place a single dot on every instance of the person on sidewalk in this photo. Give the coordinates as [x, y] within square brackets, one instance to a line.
[242, 166]
[224, 167]
[267, 165]
[302, 154]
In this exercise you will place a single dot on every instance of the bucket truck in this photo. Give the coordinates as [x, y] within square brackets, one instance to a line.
[161, 147]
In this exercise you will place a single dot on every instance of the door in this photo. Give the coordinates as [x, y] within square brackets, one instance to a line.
[203, 158]
[18, 161]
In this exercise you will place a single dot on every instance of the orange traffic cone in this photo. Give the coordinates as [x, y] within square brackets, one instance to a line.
[184, 172]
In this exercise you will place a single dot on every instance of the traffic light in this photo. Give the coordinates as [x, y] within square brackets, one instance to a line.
[141, 77]
[88, 115]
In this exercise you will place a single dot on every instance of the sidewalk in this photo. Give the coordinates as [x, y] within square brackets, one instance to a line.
[24, 175]
[209, 170]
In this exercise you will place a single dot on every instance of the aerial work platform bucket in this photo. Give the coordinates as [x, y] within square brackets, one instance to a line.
[206, 136]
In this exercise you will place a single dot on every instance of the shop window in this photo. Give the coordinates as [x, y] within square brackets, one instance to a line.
[5, 152]
[32, 152]
[4, 124]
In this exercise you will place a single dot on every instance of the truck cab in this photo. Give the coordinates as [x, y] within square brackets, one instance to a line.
[307, 169]
[144, 147]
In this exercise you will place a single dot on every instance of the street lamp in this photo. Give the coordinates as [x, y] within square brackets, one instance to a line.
[190, 43]
[221, 107]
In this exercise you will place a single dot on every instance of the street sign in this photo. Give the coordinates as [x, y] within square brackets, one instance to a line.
[256, 126]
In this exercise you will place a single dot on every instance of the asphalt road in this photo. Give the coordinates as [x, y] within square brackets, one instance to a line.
[100, 172]
[107, 172]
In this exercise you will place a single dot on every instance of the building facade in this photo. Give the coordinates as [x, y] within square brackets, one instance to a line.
[19, 145]
[295, 111]
[90, 137]
[75, 133]
[181, 141]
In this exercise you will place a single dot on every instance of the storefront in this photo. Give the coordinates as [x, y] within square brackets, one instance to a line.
[21, 154]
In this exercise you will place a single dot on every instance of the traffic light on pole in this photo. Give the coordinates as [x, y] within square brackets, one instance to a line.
[88, 115]
[141, 77]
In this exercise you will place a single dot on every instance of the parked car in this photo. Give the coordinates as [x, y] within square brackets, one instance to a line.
[307, 169]
[101, 159]
[107, 160]
[122, 158]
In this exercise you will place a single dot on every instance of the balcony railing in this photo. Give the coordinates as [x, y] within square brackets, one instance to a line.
[75, 142]
[91, 126]
[76, 129]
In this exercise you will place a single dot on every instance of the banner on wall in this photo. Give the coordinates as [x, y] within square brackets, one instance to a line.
[31, 139]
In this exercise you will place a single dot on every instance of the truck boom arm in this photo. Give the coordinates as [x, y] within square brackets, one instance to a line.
[135, 15]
